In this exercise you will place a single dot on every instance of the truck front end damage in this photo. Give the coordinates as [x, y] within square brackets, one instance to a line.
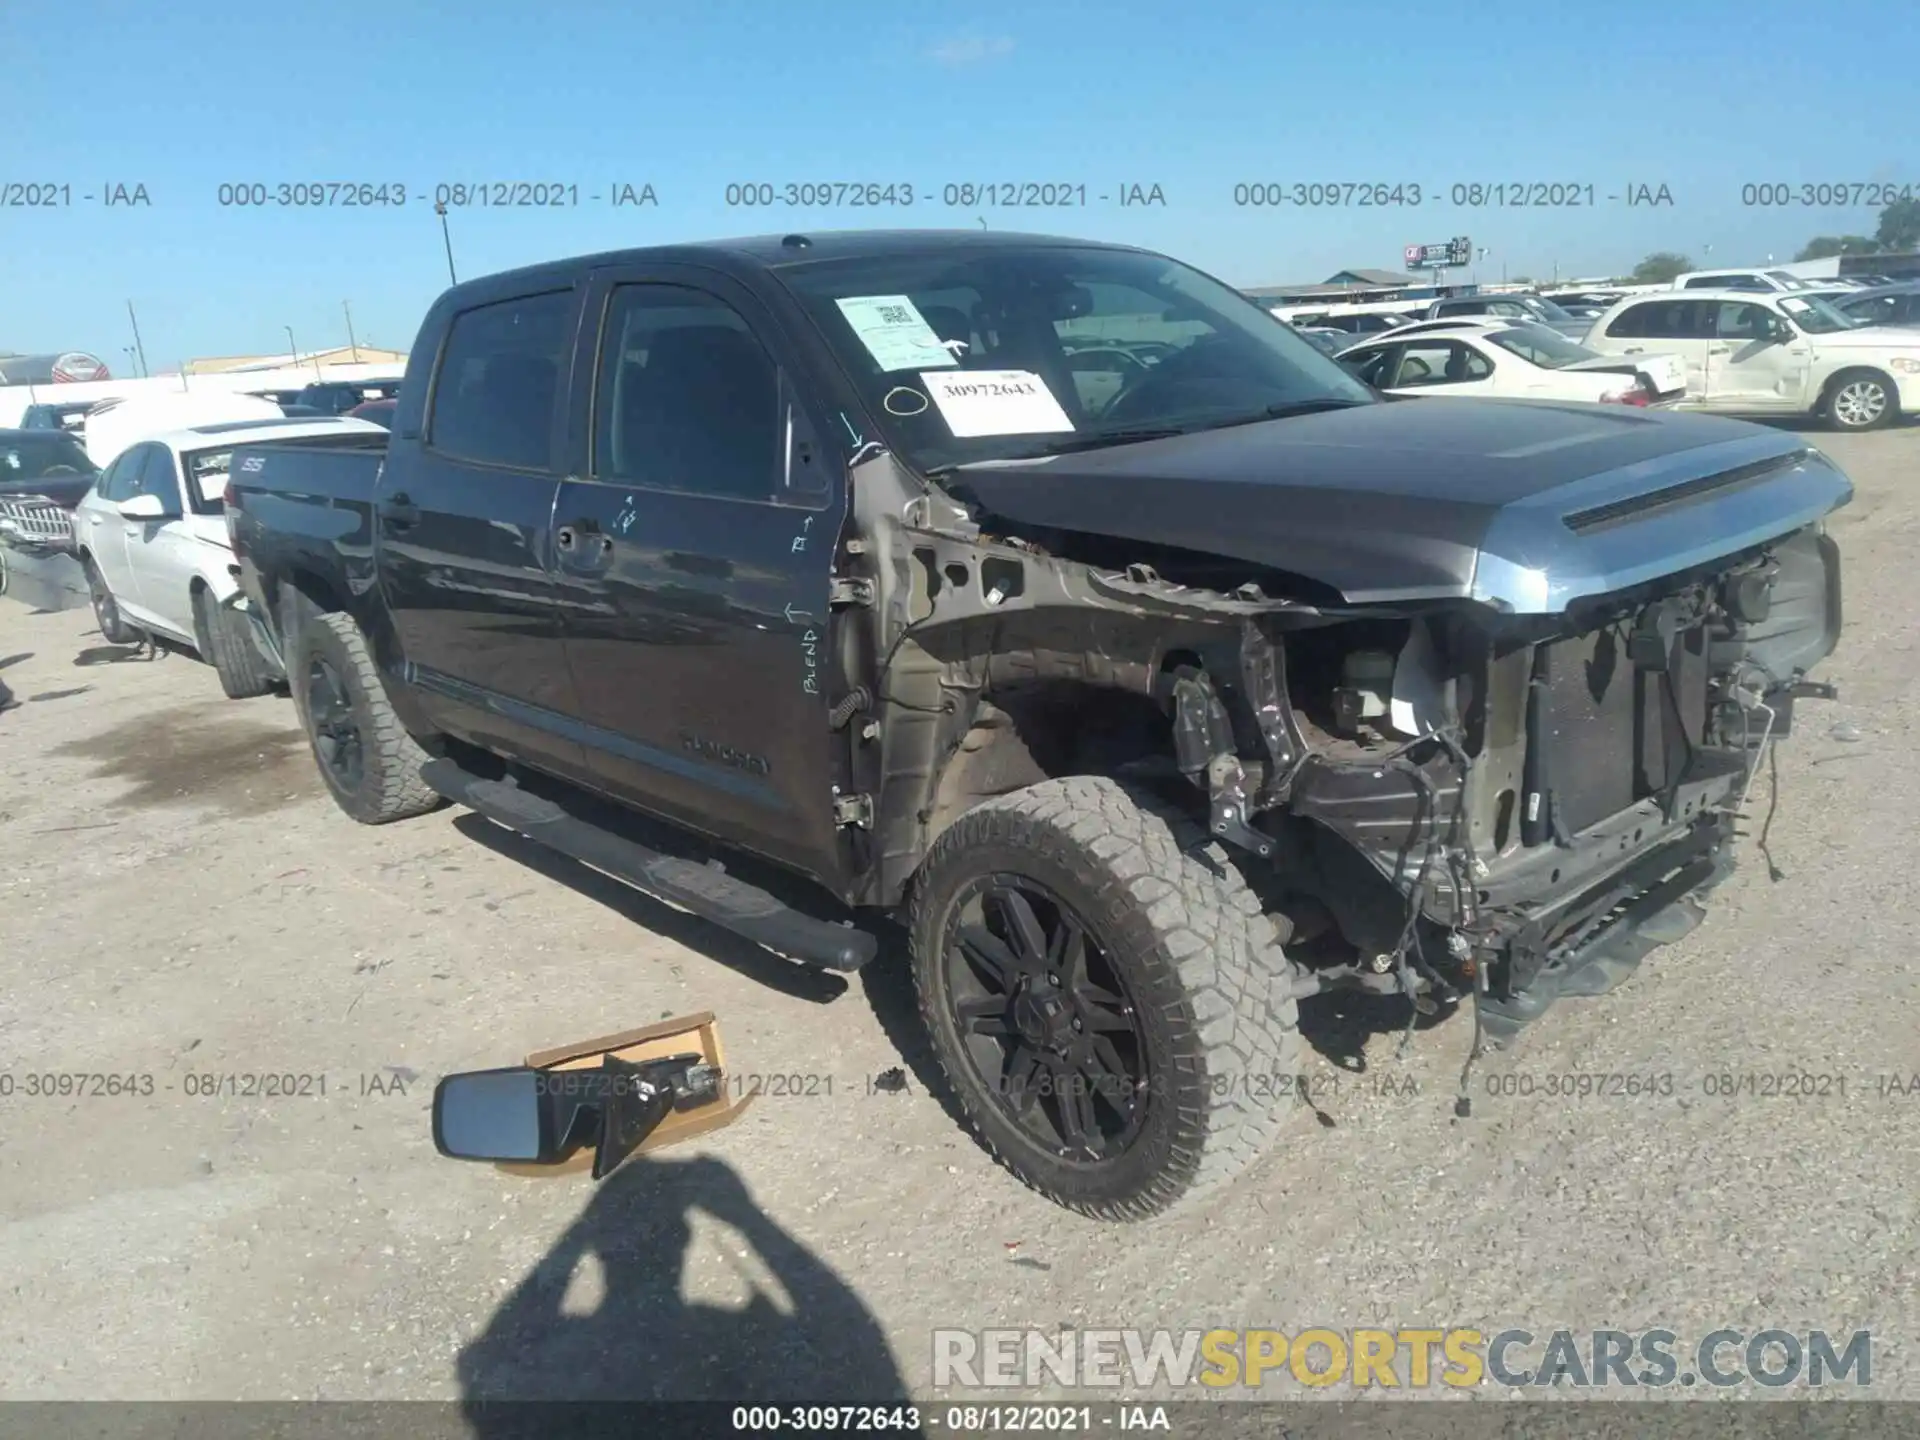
[1509, 781]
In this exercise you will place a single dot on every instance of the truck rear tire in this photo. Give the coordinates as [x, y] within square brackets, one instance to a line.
[1113, 1011]
[226, 645]
[368, 760]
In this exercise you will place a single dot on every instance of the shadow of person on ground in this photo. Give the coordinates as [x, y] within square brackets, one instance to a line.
[627, 1333]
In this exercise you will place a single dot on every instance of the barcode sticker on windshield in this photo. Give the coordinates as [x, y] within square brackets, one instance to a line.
[995, 402]
[894, 331]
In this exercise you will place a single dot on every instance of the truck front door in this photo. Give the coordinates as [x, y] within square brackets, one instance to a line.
[694, 542]
[463, 516]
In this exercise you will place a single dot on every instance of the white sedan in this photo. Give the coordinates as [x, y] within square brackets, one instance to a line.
[152, 537]
[1501, 361]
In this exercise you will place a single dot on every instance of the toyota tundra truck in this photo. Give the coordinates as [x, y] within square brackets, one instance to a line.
[1046, 595]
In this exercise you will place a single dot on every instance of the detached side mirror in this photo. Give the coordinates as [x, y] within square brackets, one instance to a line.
[616, 1095]
[523, 1116]
[144, 507]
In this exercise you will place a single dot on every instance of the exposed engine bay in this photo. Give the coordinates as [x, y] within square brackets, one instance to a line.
[1441, 800]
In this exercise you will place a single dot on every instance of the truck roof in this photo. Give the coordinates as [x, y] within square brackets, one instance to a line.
[795, 248]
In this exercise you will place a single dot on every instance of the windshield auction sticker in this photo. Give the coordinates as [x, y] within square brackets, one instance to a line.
[894, 331]
[995, 402]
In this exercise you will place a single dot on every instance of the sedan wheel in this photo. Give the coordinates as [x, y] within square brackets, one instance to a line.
[106, 612]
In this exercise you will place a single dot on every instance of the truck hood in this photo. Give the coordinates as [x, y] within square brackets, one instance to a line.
[1523, 506]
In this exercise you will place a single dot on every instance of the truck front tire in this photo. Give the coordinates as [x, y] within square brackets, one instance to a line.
[370, 763]
[1110, 1006]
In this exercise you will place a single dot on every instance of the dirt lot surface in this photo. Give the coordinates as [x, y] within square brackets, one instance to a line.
[180, 900]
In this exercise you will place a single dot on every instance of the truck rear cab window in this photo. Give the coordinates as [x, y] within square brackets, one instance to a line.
[493, 401]
[686, 397]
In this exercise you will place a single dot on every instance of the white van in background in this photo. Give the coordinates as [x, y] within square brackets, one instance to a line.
[1770, 281]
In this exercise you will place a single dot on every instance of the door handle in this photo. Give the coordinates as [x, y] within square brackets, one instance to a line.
[399, 512]
[1719, 349]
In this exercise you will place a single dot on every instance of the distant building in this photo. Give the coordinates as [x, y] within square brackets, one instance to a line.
[285, 360]
[1374, 279]
[1371, 286]
[1894, 267]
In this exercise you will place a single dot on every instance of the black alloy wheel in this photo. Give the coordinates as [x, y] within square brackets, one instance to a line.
[1044, 1019]
[336, 731]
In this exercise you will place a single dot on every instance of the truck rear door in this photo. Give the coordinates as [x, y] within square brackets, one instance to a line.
[694, 540]
[463, 516]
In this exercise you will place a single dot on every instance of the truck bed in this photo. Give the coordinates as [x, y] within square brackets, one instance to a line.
[304, 510]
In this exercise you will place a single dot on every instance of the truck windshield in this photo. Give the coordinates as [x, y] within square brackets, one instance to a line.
[1013, 352]
[54, 453]
[1813, 315]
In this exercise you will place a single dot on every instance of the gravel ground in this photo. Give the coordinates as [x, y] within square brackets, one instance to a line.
[181, 899]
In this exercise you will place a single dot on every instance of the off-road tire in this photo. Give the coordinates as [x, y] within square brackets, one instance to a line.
[389, 786]
[226, 645]
[1175, 916]
[1848, 381]
[106, 610]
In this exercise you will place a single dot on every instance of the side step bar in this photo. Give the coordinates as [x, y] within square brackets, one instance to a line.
[705, 890]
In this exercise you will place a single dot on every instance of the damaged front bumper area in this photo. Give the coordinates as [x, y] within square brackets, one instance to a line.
[1581, 818]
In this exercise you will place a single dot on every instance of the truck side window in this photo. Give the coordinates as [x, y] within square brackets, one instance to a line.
[493, 399]
[687, 397]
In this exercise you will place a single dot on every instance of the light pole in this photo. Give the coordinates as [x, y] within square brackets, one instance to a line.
[440, 209]
[292, 349]
[352, 343]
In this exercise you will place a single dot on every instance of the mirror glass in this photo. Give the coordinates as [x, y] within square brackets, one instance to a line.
[488, 1115]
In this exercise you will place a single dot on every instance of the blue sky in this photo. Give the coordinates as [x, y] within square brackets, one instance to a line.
[691, 97]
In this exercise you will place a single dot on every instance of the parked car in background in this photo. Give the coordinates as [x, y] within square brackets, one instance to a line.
[380, 412]
[1097, 688]
[1326, 341]
[337, 397]
[70, 416]
[279, 397]
[1772, 353]
[1758, 280]
[1510, 362]
[296, 411]
[1885, 305]
[113, 425]
[1582, 304]
[152, 540]
[1535, 308]
[1362, 319]
[49, 463]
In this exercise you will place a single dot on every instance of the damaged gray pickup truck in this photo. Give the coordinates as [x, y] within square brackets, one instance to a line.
[1053, 597]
